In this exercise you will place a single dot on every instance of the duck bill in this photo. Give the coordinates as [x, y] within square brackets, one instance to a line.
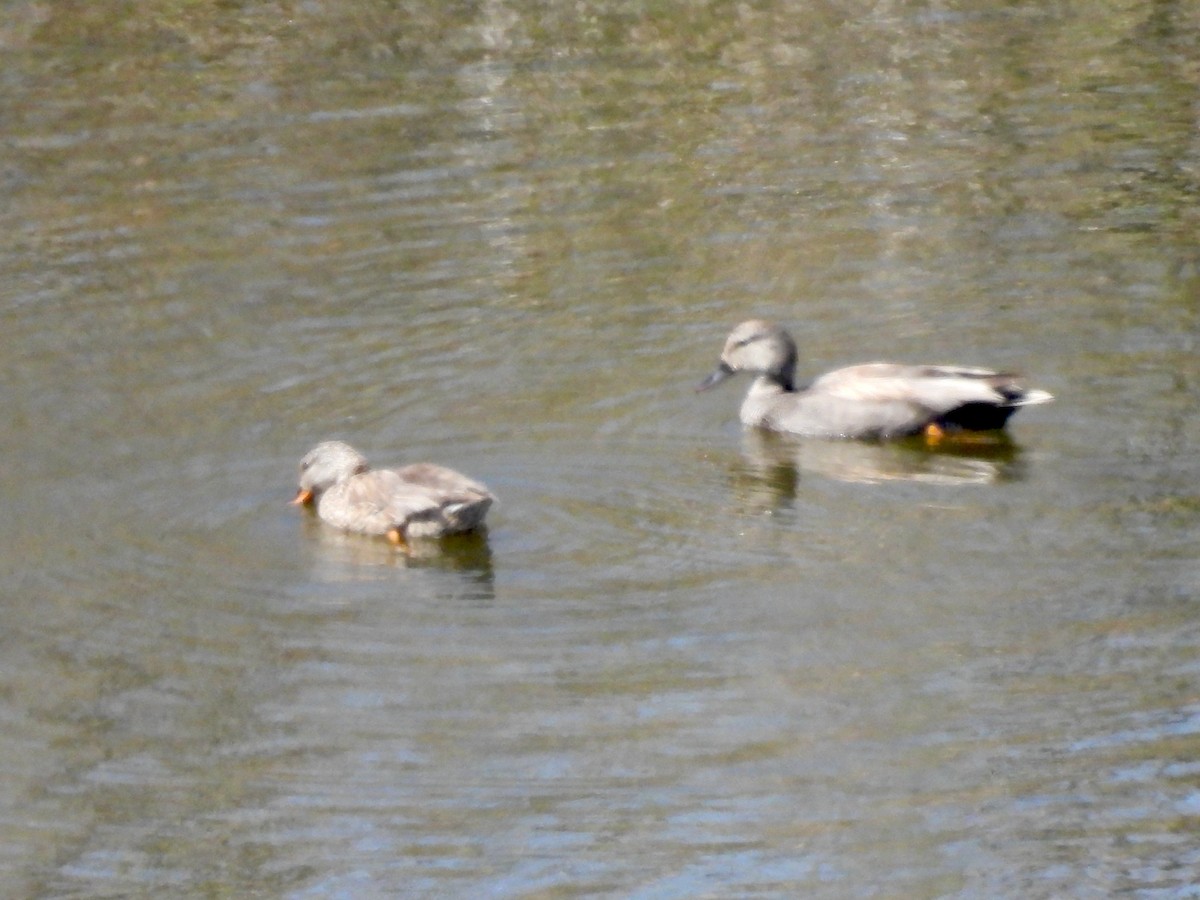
[720, 373]
[303, 497]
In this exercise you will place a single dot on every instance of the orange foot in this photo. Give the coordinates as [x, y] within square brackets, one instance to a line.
[396, 536]
[934, 433]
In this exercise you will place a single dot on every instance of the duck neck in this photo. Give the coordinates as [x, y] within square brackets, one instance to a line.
[770, 385]
[785, 374]
[775, 382]
[762, 397]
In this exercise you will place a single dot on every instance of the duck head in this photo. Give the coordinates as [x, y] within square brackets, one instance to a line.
[324, 466]
[760, 347]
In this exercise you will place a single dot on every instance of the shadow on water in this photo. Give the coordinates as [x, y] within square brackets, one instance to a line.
[769, 471]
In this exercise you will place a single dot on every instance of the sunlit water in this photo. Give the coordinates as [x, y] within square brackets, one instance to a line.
[684, 661]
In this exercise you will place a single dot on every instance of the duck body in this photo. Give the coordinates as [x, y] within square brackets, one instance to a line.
[417, 501]
[869, 401]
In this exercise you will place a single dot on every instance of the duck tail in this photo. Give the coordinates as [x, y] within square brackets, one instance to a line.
[1014, 394]
[1030, 397]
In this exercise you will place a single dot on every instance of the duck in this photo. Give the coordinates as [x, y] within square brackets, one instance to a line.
[422, 500]
[871, 401]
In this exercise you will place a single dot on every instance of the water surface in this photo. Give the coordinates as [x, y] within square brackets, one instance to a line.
[686, 661]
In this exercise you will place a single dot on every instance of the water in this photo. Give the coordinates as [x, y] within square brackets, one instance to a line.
[686, 661]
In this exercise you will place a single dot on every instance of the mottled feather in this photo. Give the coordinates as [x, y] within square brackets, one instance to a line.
[422, 500]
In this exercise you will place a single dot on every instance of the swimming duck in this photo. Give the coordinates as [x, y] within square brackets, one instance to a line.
[873, 400]
[417, 501]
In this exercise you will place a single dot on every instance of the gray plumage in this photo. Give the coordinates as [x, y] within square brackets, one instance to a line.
[417, 501]
[873, 400]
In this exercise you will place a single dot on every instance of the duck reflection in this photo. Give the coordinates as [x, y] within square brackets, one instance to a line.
[341, 556]
[769, 473]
